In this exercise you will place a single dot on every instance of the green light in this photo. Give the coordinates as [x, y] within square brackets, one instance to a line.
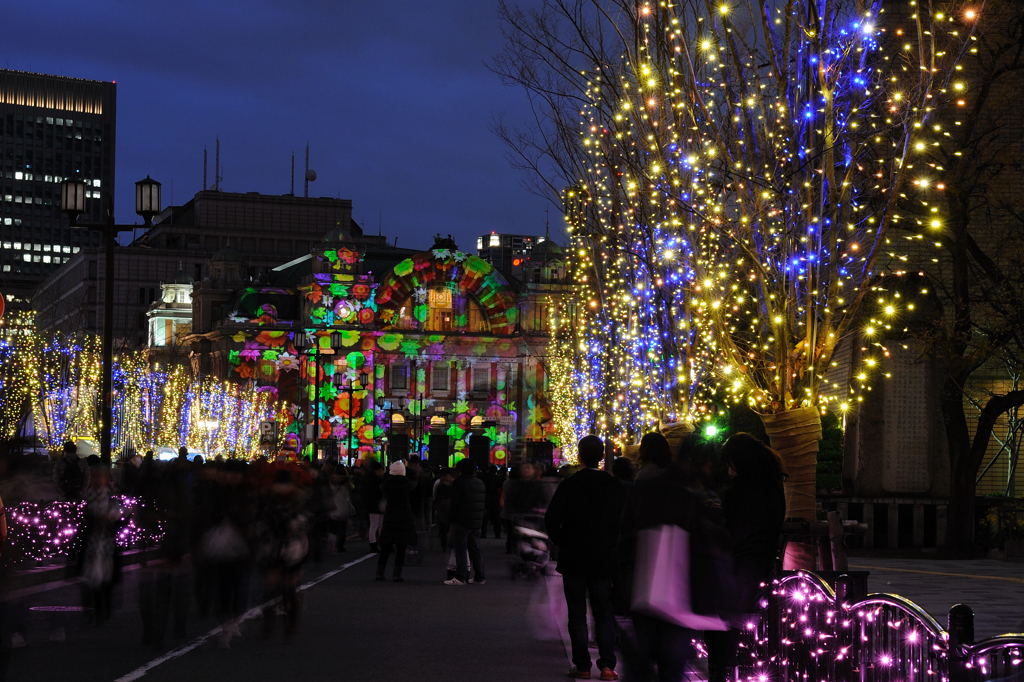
[710, 430]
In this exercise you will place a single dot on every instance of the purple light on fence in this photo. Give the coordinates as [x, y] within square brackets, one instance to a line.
[885, 660]
[912, 637]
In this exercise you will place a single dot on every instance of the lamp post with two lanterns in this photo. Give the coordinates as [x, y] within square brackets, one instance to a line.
[147, 205]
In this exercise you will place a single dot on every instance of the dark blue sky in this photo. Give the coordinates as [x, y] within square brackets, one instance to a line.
[393, 97]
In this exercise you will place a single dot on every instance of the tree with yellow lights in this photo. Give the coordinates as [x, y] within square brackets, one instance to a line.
[738, 172]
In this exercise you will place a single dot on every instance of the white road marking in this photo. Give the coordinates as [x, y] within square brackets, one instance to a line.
[252, 613]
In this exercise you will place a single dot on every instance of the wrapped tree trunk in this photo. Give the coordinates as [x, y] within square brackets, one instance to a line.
[794, 434]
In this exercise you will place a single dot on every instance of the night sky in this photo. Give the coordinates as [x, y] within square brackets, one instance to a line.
[394, 99]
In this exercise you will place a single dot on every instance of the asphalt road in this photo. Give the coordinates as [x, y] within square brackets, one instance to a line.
[352, 627]
[993, 589]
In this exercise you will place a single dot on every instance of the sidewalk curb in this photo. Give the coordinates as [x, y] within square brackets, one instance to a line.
[33, 577]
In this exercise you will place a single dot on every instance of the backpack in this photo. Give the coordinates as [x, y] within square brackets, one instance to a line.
[72, 480]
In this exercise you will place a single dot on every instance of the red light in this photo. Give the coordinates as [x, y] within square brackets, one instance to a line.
[517, 261]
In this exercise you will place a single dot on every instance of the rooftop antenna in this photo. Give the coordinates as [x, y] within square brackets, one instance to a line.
[380, 221]
[217, 177]
[293, 174]
[310, 174]
[547, 225]
[204, 169]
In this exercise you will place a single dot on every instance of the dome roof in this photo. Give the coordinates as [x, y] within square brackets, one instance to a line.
[337, 235]
[548, 249]
[227, 255]
[181, 277]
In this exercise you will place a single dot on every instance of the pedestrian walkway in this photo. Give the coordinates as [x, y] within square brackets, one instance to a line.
[352, 627]
[993, 589]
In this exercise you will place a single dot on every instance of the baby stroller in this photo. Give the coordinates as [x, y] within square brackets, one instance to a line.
[531, 550]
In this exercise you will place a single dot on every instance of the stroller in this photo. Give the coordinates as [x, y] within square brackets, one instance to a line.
[531, 550]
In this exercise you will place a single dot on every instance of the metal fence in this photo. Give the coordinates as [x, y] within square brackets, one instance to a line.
[807, 632]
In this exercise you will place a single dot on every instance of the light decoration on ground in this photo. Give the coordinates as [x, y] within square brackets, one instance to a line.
[736, 193]
[47, 532]
[804, 632]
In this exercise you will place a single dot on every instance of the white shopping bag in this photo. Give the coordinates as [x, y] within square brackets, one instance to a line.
[661, 586]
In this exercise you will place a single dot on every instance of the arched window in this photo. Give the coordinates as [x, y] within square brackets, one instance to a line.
[442, 311]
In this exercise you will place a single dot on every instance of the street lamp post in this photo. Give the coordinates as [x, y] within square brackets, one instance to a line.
[314, 407]
[350, 389]
[147, 205]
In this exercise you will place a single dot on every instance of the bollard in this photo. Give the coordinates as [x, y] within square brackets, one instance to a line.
[960, 625]
[851, 588]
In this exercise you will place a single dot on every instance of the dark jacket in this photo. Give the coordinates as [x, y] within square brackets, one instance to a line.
[583, 520]
[667, 500]
[754, 510]
[398, 527]
[469, 502]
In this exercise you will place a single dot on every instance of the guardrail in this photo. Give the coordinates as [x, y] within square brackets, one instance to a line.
[808, 632]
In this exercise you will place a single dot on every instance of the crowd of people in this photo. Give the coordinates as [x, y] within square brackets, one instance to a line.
[223, 523]
[598, 521]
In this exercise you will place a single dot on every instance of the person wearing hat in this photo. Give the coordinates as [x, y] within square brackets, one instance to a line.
[399, 526]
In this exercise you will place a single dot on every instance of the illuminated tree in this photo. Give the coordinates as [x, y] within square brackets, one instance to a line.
[742, 167]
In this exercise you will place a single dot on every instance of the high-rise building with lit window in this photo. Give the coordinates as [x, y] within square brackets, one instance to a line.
[51, 127]
[502, 250]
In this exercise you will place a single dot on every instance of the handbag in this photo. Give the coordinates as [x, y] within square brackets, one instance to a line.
[661, 586]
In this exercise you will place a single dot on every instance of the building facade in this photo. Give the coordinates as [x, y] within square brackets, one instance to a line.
[374, 349]
[264, 229]
[53, 127]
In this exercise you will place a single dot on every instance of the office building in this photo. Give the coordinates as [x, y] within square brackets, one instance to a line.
[53, 127]
[259, 230]
[502, 250]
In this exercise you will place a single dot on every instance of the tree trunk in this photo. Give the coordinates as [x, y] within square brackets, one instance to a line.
[960, 515]
[794, 434]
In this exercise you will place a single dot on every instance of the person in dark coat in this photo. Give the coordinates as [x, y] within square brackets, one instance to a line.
[466, 514]
[583, 520]
[667, 499]
[399, 525]
[754, 509]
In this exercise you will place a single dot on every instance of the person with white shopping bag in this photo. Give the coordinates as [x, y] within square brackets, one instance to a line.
[672, 577]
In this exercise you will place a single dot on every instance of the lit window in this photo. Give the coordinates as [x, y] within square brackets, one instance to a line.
[17, 245]
[495, 240]
[37, 247]
[46, 247]
[75, 250]
[67, 249]
[7, 268]
[18, 175]
[46, 259]
[479, 243]
[27, 257]
[36, 259]
[96, 183]
[7, 245]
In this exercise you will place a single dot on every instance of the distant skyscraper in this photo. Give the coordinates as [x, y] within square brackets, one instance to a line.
[502, 250]
[53, 127]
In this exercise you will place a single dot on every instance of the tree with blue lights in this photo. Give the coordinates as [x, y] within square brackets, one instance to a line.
[737, 172]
